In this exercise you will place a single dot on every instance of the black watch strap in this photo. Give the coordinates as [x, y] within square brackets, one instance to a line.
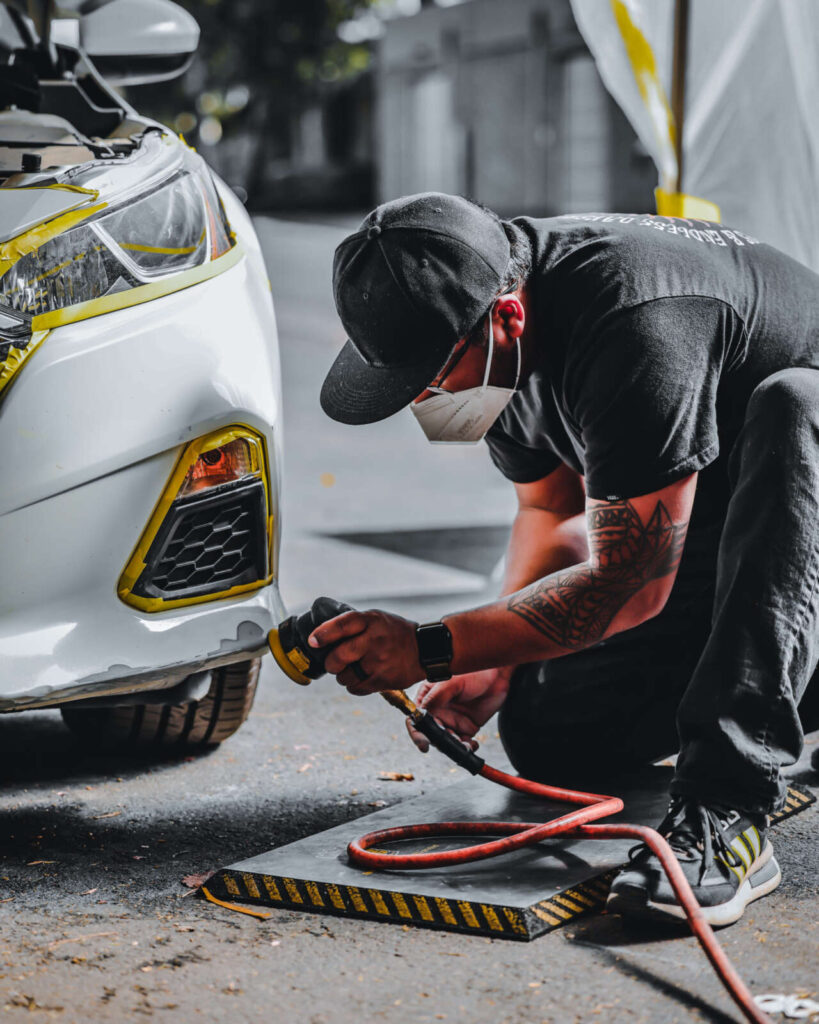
[435, 650]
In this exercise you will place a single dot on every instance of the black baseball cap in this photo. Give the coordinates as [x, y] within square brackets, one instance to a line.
[417, 275]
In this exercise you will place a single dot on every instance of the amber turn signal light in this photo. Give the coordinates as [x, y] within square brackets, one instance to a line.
[233, 461]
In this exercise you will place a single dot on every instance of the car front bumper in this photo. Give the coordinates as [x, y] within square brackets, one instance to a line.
[89, 435]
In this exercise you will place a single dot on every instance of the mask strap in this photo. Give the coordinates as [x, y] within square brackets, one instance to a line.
[489, 354]
[489, 358]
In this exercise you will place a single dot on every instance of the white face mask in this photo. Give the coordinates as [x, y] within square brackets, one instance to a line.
[463, 417]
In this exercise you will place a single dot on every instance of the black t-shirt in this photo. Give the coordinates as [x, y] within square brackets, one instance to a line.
[653, 332]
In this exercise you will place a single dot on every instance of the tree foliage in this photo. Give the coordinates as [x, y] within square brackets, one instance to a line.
[258, 61]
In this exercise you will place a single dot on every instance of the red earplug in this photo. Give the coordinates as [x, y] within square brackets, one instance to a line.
[508, 309]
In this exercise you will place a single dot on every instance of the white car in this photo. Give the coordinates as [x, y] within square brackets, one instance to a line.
[140, 401]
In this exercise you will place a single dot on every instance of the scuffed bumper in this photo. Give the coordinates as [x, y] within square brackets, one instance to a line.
[64, 633]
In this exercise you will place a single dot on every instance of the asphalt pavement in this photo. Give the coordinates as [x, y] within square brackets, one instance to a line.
[96, 923]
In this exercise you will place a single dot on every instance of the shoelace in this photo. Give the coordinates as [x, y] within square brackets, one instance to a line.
[690, 829]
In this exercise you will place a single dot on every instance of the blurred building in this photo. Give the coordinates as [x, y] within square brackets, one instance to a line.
[501, 100]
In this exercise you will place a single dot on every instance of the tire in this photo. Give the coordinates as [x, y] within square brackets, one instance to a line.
[197, 723]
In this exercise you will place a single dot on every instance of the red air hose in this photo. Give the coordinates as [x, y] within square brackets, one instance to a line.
[515, 835]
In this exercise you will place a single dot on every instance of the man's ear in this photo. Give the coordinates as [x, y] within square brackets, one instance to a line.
[509, 315]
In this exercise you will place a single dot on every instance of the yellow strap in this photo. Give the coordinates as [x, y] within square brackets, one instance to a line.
[678, 204]
[263, 915]
[644, 66]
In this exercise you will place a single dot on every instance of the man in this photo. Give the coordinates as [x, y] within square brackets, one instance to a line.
[651, 388]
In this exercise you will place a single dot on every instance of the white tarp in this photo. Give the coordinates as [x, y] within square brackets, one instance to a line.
[751, 131]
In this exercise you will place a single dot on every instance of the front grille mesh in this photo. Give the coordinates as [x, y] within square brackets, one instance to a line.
[208, 543]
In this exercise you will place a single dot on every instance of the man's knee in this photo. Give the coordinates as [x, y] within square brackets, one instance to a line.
[787, 397]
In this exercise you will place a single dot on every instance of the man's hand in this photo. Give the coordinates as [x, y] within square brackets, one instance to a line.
[383, 644]
[463, 704]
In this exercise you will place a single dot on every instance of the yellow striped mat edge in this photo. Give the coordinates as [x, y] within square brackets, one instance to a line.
[797, 800]
[468, 916]
[362, 901]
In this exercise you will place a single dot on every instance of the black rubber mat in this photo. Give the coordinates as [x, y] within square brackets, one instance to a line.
[519, 895]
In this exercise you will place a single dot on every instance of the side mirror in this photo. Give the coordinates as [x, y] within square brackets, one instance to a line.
[133, 42]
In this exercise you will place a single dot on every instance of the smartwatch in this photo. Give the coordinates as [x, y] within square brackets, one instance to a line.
[435, 650]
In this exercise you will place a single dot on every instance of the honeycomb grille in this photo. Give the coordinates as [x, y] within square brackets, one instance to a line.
[208, 544]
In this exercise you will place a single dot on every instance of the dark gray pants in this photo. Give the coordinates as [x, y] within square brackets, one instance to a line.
[719, 673]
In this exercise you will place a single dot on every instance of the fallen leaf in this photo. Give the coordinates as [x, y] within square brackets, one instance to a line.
[146, 968]
[110, 814]
[30, 1003]
[89, 891]
[8, 899]
[396, 776]
[31, 863]
[377, 803]
[195, 881]
[305, 767]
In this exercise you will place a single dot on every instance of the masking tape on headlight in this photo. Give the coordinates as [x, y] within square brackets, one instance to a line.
[29, 241]
[135, 296]
[60, 186]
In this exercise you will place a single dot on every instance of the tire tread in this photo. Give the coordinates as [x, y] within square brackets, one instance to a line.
[206, 722]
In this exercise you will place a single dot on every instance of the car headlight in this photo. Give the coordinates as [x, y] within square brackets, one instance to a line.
[173, 228]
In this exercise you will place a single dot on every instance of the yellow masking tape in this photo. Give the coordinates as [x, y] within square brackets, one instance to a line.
[191, 452]
[60, 186]
[28, 241]
[16, 357]
[135, 296]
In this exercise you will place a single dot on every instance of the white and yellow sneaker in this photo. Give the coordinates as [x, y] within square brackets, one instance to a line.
[725, 855]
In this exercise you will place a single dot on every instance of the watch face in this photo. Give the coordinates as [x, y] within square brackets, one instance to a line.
[435, 650]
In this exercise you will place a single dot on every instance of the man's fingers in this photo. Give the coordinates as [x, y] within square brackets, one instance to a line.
[440, 694]
[418, 738]
[355, 685]
[422, 691]
[342, 626]
[346, 653]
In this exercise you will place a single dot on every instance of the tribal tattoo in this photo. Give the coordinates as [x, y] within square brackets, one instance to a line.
[574, 607]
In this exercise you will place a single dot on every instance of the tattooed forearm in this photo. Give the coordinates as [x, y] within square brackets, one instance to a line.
[575, 607]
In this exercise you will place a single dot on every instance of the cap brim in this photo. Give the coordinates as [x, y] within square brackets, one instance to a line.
[355, 392]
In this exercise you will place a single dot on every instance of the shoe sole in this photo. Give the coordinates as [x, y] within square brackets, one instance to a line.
[762, 878]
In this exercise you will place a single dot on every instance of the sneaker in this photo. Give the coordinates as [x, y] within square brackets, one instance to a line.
[726, 857]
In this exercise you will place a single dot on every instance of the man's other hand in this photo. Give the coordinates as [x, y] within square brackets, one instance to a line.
[462, 704]
[382, 644]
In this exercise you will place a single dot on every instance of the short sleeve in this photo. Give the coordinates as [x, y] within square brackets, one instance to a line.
[517, 461]
[641, 390]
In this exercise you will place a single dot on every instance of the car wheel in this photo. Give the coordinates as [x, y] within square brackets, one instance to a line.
[196, 723]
